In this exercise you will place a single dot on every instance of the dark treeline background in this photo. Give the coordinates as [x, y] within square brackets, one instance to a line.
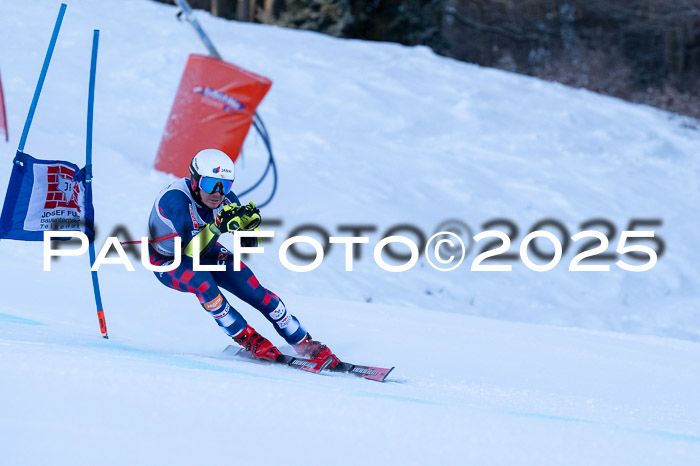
[640, 50]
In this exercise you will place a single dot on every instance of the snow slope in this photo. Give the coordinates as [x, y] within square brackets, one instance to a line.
[484, 392]
[363, 133]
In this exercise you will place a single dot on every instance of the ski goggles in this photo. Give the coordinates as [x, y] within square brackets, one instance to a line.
[211, 185]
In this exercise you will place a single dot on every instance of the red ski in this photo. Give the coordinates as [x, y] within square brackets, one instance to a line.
[377, 374]
[308, 365]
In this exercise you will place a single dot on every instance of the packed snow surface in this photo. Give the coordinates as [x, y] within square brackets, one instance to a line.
[519, 367]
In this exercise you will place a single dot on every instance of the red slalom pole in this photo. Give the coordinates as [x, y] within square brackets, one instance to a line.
[3, 114]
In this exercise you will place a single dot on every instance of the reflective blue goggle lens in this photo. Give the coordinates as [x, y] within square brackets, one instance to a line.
[211, 185]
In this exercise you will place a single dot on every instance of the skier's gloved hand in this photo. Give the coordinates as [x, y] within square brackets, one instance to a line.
[250, 216]
[234, 217]
[226, 220]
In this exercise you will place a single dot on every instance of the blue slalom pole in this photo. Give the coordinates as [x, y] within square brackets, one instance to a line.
[42, 76]
[88, 179]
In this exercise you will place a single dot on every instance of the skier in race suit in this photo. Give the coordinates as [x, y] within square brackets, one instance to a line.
[204, 206]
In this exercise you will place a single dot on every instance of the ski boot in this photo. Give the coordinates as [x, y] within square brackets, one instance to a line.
[312, 349]
[257, 345]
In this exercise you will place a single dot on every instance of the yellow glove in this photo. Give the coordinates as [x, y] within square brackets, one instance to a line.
[234, 217]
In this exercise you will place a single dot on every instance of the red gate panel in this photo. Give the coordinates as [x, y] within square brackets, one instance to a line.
[213, 109]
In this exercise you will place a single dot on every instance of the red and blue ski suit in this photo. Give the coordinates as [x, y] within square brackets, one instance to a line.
[176, 211]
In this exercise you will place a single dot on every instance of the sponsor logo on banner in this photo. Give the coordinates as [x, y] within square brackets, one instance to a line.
[56, 201]
[230, 104]
[214, 303]
[61, 191]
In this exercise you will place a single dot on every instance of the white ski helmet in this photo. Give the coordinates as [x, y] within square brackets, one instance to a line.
[211, 163]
